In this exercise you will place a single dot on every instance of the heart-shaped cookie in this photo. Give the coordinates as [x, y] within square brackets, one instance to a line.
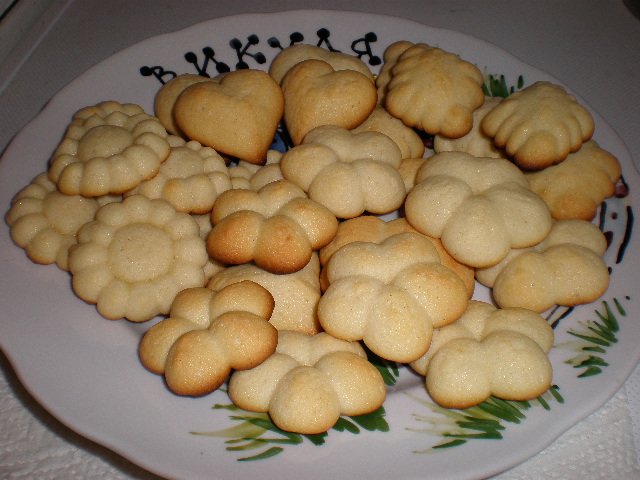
[237, 114]
[316, 94]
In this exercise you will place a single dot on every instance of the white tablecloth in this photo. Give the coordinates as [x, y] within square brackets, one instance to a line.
[593, 46]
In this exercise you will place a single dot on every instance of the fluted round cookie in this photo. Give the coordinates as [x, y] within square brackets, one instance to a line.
[108, 148]
[134, 258]
[44, 222]
[191, 178]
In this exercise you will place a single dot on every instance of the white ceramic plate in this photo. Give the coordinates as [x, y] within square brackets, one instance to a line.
[85, 371]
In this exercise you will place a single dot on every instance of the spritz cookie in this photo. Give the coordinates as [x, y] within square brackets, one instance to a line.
[191, 179]
[208, 334]
[44, 222]
[134, 258]
[108, 148]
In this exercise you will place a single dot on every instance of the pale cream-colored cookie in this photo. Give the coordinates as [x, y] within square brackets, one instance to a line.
[433, 90]
[134, 258]
[254, 177]
[480, 208]
[370, 228]
[390, 295]
[309, 382]
[296, 294]
[278, 228]
[570, 232]
[539, 125]
[297, 53]
[237, 115]
[316, 94]
[349, 173]
[108, 148]
[488, 351]
[476, 142]
[167, 95]
[44, 222]
[576, 187]
[208, 334]
[408, 169]
[212, 266]
[390, 58]
[190, 179]
[562, 274]
[409, 142]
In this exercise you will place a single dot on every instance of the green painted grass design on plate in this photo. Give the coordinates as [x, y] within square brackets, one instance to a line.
[255, 432]
[593, 338]
[485, 421]
[389, 370]
[496, 86]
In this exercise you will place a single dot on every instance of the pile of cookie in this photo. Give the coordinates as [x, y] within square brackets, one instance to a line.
[274, 271]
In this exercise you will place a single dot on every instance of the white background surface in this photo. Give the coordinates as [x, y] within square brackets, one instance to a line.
[590, 45]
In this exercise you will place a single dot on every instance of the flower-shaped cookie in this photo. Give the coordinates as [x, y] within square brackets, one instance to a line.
[539, 125]
[488, 351]
[208, 334]
[565, 269]
[480, 208]
[433, 90]
[576, 187]
[408, 141]
[309, 382]
[44, 222]
[134, 258]
[390, 295]
[277, 227]
[294, 54]
[296, 294]
[190, 179]
[369, 228]
[349, 173]
[316, 94]
[236, 113]
[475, 142]
[108, 148]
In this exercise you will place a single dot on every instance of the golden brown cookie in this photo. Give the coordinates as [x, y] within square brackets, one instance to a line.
[317, 94]
[237, 115]
[576, 187]
[539, 125]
